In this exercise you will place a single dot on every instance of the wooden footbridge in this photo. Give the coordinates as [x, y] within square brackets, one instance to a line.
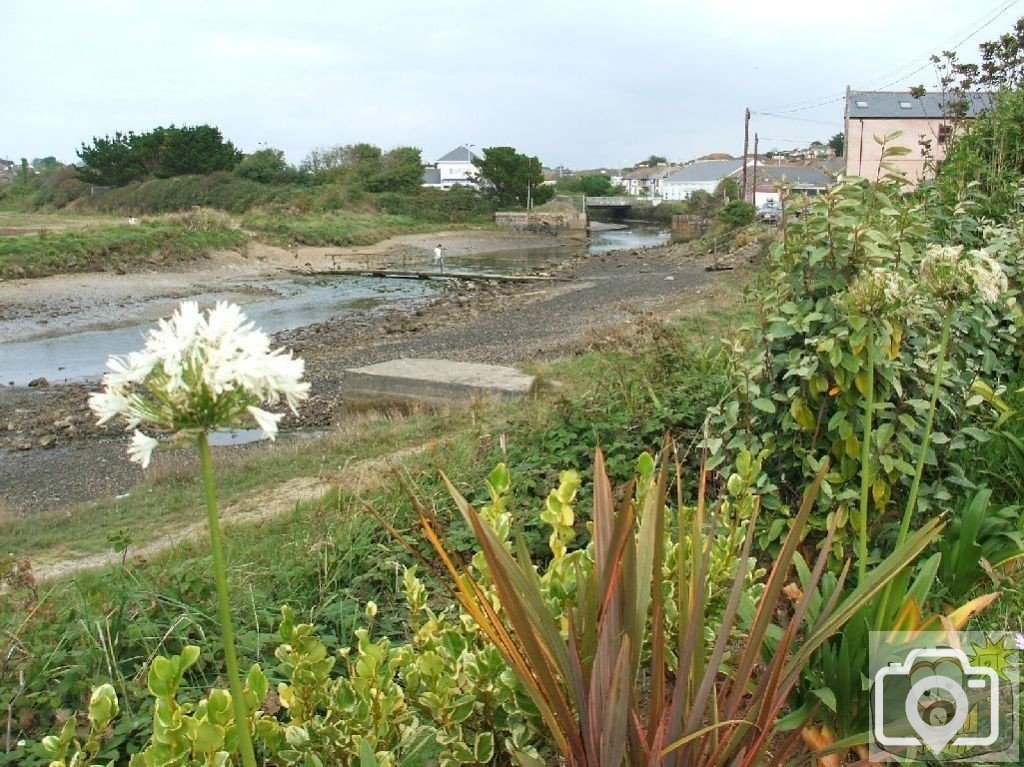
[426, 274]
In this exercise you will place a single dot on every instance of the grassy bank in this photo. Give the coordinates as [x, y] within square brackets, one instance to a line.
[119, 247]
[39, 244]
[340, 228]
[326, 558]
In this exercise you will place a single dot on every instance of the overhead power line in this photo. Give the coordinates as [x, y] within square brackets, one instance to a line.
[802, 106]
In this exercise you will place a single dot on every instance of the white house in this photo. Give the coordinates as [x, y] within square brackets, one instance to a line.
[703, 175]
[459, 166]
[798, 179]
[645, 182]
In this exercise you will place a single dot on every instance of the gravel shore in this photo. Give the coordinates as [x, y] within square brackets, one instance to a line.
[53, 456]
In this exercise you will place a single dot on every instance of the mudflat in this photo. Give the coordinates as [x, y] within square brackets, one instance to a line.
[52, 455]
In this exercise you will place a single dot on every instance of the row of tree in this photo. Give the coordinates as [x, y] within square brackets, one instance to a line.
[507, 176]
[162, 152]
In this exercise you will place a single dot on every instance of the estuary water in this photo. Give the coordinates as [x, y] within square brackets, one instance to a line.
[293, 302]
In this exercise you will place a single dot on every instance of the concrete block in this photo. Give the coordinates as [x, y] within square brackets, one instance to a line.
[431, 382]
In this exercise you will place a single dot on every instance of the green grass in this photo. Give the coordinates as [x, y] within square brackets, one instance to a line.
[114, 248]
[172, 498]
[14, 222]
[337, 228]
[326, 558]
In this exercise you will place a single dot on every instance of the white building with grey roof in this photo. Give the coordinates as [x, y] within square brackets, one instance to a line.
[459, 166]
[702, 175]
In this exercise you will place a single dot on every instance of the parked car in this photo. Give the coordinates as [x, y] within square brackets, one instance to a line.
[769, 214]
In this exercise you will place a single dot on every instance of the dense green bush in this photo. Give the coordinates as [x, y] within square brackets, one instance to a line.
[59, 188]
[458, 205]
[221, 190]
[266, 166]
[737, 213]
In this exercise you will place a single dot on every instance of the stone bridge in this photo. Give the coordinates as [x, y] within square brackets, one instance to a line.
[620, 202]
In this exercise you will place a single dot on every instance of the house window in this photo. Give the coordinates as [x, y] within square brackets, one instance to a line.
[862, 104]
[944, 131]
[906, 105]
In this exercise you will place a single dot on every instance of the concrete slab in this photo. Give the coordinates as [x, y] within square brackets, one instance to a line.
[432, 382]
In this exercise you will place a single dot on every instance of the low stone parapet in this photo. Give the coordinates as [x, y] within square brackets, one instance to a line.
[533, 221]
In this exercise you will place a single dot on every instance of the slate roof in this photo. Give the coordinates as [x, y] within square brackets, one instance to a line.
[896, 104]
[431, 176]
[801, 175]
[704, 170]
[459, 154]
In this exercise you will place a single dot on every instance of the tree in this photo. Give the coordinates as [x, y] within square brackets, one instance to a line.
[198, 149]
[737, 213]
[110, 161]
[837, 143]
[400, 170]
[728, 189]
[265, 166]
[162, 152]
[591, 184]
[702, 204]
[509, 177]
[322, 159]
[46, 165]
[654, 159]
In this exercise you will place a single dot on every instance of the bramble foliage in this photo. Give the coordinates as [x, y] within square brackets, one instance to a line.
[656, 384]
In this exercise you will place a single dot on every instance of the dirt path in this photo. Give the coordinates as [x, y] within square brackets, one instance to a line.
[257, 507]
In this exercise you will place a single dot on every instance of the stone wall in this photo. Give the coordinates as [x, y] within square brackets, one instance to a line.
[541, 222]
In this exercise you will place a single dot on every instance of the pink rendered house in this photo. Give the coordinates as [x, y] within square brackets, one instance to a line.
[928, 119]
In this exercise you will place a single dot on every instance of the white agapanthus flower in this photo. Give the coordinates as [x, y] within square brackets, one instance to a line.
[950, 273]
[990, 279]
[199, 372]
[880, 292]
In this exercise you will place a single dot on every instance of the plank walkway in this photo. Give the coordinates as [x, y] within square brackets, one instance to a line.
[431, 274]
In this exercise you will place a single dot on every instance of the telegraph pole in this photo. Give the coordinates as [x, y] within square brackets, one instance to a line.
[746, 141]
[753, 192]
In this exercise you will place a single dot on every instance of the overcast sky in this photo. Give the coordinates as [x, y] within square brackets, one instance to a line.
[578, 83]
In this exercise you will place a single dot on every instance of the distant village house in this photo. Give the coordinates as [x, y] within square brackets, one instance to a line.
[700, 175]
[459, 166]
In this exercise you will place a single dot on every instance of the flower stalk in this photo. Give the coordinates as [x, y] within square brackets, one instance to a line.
[865, 458]
[199, 372]
[224, 607]
[915, 487]
[922, 455]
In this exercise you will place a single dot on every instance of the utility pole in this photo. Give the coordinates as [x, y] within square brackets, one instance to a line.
[753, 192]
[746, 141]
[529, 172]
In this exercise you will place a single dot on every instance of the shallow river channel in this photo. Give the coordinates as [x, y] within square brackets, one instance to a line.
[293, 302]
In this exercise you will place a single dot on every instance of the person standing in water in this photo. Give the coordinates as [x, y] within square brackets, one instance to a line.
[439, 256]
